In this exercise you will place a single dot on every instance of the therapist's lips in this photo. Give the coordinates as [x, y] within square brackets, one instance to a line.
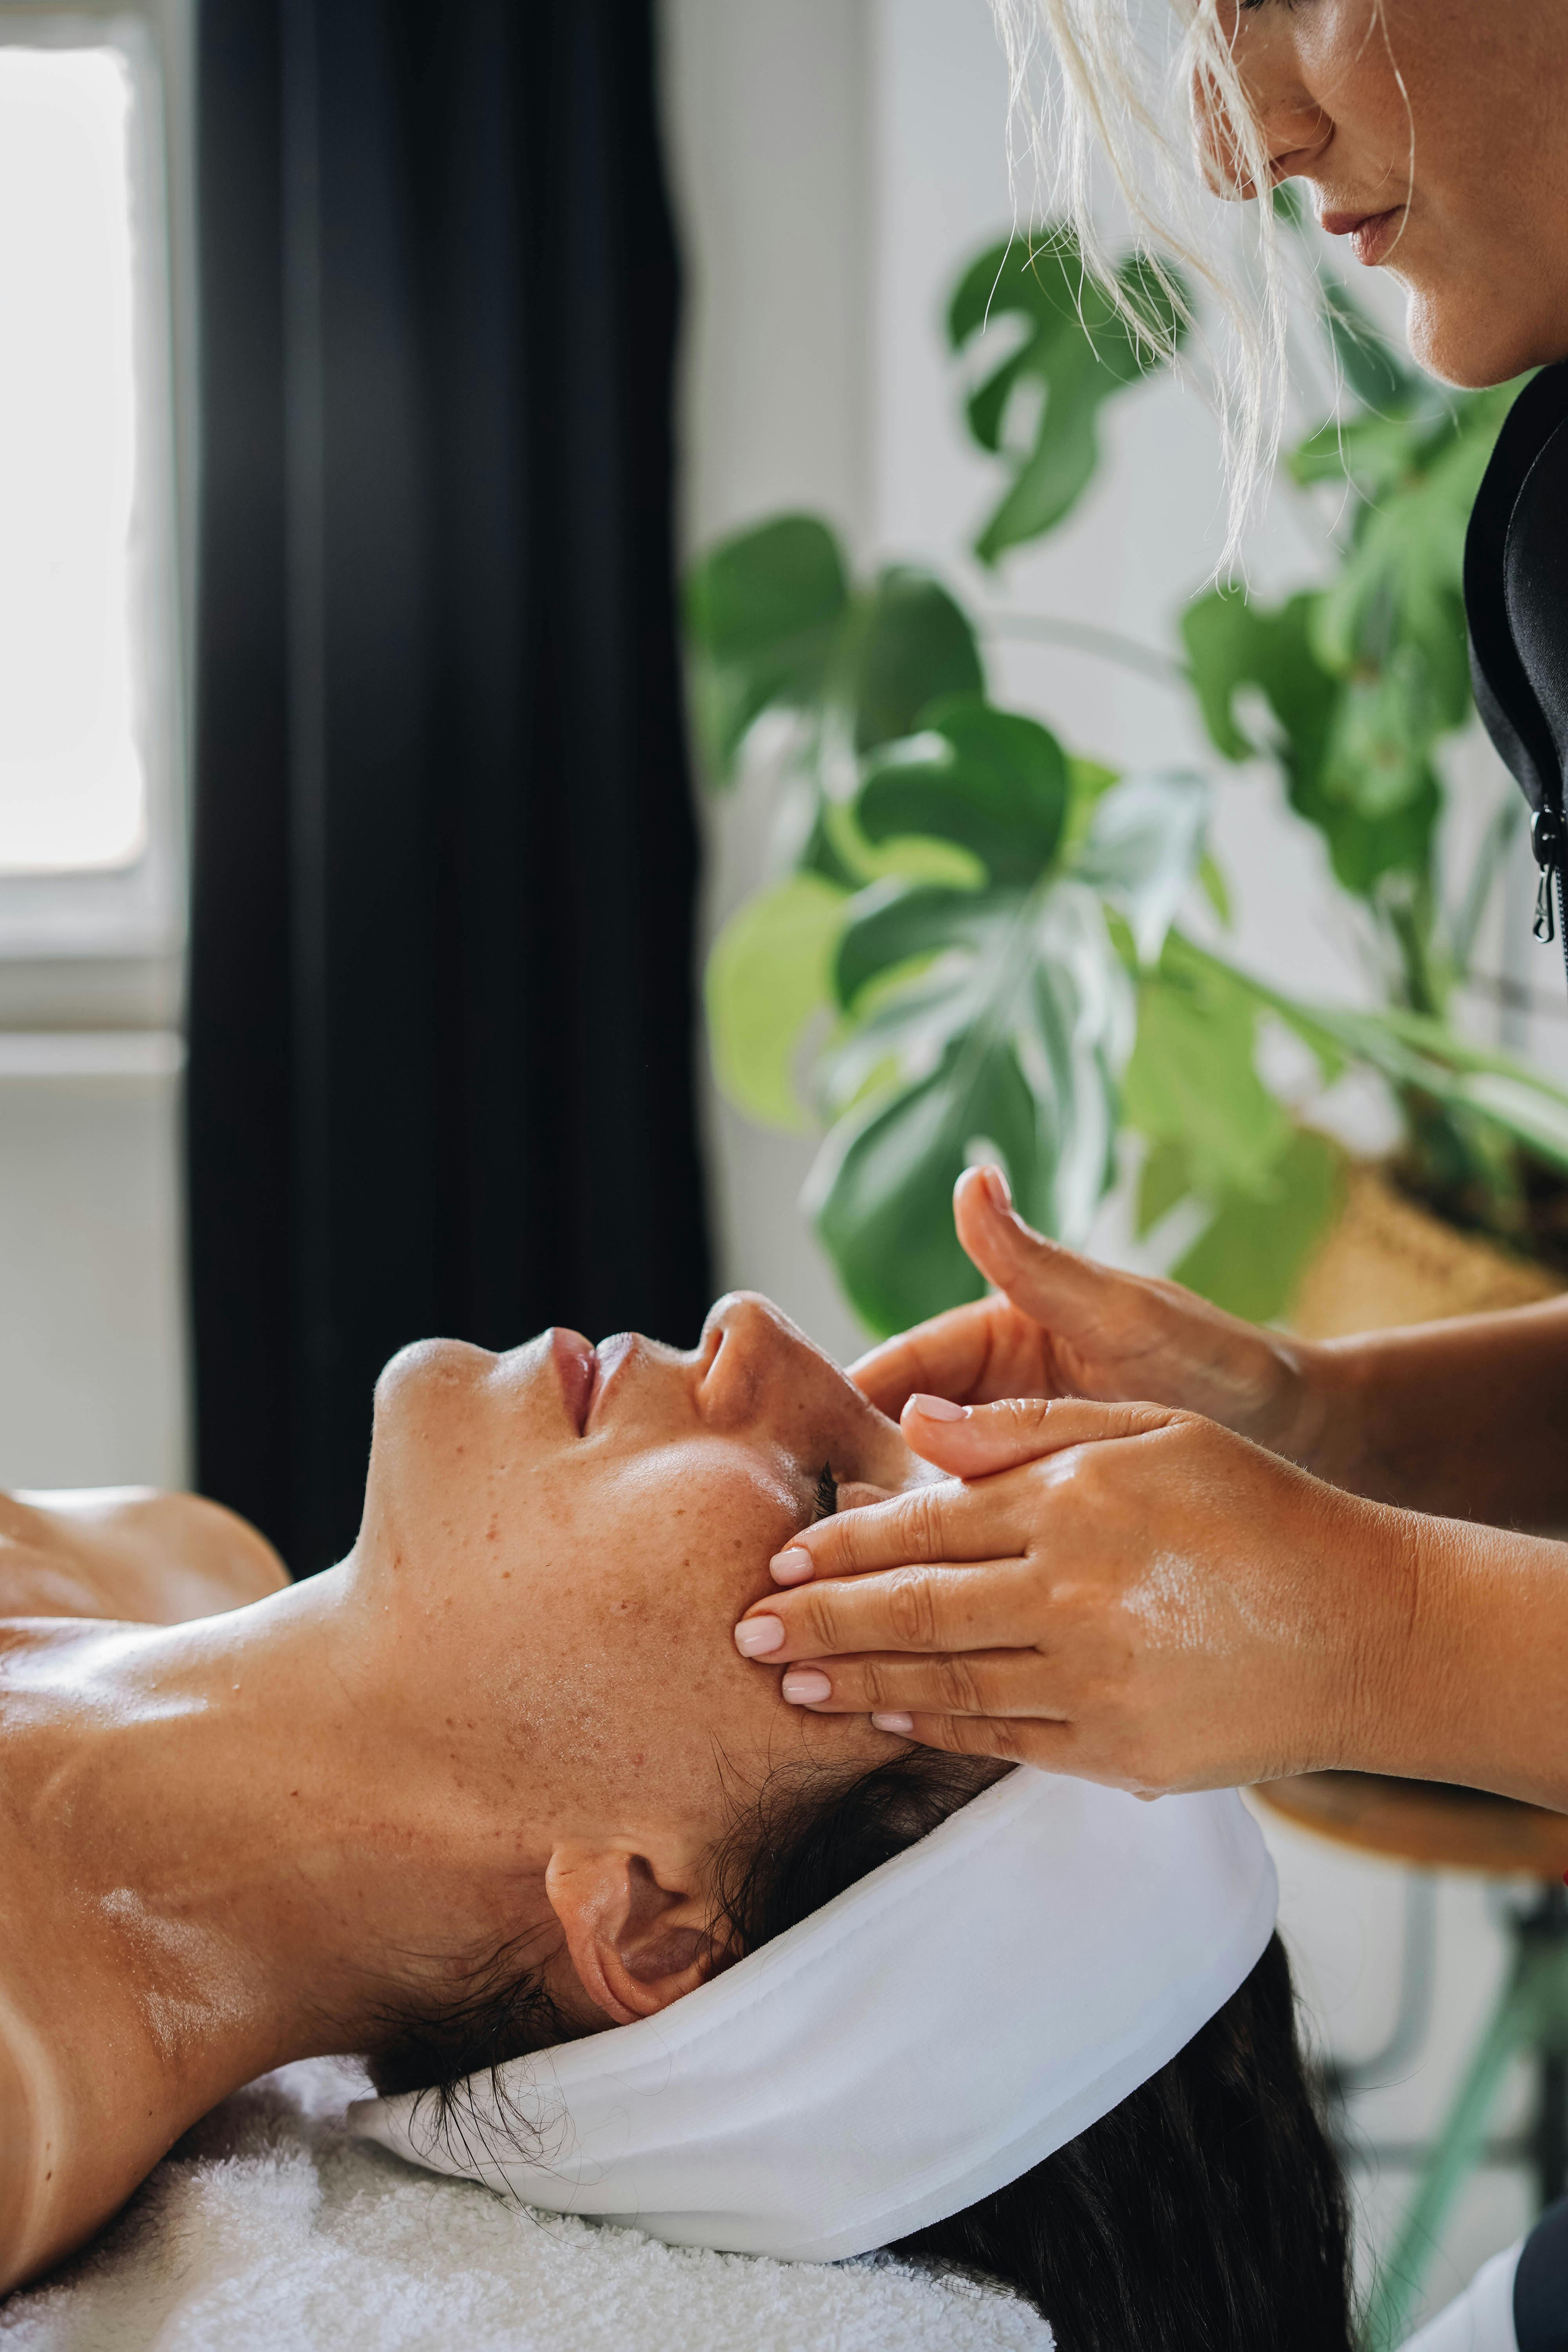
[1371, 234]
[577, 1368]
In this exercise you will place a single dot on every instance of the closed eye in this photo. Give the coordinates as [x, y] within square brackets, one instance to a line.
[826, 1493]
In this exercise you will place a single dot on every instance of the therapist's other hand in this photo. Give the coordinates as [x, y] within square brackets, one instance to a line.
[1123, 1592]
[1064, 1326]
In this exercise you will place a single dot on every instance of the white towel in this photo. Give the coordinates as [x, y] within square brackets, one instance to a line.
[1479, 2320]
[269, 2227]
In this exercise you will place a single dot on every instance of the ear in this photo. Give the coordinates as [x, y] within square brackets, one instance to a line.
[638, 1937]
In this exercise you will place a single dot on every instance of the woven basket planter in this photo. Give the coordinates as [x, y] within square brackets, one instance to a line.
[1388, 1261]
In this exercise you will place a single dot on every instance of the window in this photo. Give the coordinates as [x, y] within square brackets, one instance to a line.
[91, 733]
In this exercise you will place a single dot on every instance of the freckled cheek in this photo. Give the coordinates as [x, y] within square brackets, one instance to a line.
[698, 1534]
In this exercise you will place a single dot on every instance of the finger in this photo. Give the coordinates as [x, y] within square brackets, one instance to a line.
[1065, 1292]
[941, 1607]
[1003, 1683]
[940, 1520]
[948, 1355]
[976, 1441]
[1050, 1746]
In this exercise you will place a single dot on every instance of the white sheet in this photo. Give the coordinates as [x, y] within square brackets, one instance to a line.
[269, 2227]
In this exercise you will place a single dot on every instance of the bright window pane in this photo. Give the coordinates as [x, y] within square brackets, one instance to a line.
[72, 790]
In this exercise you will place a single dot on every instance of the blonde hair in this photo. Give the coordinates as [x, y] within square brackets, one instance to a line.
[1148, 92]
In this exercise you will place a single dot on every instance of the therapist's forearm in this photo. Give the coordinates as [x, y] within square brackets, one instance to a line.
[1478, 1692]
[1469, 1418]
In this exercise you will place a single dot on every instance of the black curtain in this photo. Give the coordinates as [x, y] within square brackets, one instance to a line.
[441, 1009]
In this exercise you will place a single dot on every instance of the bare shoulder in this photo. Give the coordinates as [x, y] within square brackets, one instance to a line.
[130, 1552]
[15, 2167]
[26, 2168]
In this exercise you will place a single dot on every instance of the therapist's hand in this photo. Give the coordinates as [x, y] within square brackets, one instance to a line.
[1124, 1592]
[1063, 1326]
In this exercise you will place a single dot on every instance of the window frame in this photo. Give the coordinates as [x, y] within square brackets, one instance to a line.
[136, 912]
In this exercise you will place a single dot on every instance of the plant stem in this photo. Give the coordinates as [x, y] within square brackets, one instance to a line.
[1107, 644]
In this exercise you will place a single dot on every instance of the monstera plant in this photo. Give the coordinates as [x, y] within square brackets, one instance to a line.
[973, 949]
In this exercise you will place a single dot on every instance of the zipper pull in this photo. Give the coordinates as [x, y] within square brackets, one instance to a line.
[1548, 837]
[1545, 924]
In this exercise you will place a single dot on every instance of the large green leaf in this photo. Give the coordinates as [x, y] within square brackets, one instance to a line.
[1193, 1083]
[1420, 1057]
[989, 779]
[1401, 586]
[910, 646]
[763, 611]
[1074, 348]
[1251, 1256]
[991, 1020]
[843, 853]
[1142, 848]
[769, 974]
[1004, 1035]
[1216, 1131]
[1377, 763]
[894, 923]
[773, 622]
[1364, 677]
[882, 1190]
[1232, 643]
[1374, 800]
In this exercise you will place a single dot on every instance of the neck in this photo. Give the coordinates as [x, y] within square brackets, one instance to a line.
[226, 1857]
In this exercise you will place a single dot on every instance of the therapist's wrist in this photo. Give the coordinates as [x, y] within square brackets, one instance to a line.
[1394, 1588]
[1453, 1666]
[1322, 1416]
[1482, 1698]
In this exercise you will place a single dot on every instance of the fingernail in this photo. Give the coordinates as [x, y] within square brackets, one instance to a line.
[758, 1636]
[901, 1726]
[996, 1184]
[806, 1687]
[791, 1567]
[935, 1408]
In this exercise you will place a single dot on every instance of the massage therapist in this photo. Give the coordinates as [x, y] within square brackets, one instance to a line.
[1172, 1550]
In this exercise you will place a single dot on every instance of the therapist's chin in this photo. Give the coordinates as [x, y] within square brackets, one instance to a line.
[1474, 338]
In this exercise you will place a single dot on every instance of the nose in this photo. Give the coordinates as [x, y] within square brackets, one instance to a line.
[755, 1362]
[760, 1374]
[1286, 130]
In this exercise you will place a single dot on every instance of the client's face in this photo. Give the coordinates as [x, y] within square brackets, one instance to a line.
[557, 1543]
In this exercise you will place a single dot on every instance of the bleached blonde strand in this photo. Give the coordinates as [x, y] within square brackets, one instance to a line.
[1094, 92]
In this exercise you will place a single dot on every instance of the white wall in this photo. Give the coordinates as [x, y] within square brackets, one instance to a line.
[834, 166]
[92, 1370]
[767, 111]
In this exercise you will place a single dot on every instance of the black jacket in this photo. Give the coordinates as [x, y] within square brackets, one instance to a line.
[1516, 601]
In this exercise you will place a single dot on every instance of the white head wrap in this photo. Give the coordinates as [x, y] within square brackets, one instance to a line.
[922, 2041]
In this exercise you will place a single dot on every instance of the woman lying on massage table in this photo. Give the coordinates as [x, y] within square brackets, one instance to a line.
[501, 1782]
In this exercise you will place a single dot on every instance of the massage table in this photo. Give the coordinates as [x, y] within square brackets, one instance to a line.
[269, 2227]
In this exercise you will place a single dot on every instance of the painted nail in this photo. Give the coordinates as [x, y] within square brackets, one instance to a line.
[791, 1567]
[901, 1726]
[758, 1636]
[805, 1686]
[935, 1408]
[995, 1181]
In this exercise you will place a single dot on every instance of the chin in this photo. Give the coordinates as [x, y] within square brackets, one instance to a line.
[1472, 346]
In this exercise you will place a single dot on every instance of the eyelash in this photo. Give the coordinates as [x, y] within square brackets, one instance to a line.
[826, 1493]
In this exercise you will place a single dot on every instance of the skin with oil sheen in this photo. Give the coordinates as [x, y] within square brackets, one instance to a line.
[243, 1821]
